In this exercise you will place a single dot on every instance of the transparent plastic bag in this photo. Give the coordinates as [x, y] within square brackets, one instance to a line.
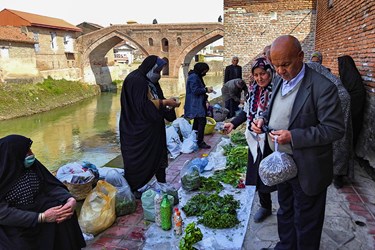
[166, 188]
[277, 167]
[190, 178]
[125, 200]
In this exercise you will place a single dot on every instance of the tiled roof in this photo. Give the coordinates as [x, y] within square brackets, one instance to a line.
[14, 34]
[45, 21]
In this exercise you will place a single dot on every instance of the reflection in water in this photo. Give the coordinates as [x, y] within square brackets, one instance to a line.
[85, 131]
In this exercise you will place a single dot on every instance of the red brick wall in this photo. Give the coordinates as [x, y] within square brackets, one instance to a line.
[251, 25]
[348, 28]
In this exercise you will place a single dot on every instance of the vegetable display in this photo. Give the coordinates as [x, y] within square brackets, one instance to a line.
[215, 211]
[192, 235]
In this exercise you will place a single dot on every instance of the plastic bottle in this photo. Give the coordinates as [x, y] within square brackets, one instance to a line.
[157, 201]
[177, 219]
[166, 213]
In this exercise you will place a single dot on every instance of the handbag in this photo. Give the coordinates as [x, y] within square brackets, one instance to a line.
[277, 167]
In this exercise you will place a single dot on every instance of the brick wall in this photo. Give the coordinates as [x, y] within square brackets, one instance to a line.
[348, 28]
[251, 25]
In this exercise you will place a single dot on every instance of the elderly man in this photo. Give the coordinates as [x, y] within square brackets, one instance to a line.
[305, 115]
[231, 92]
[233, 71]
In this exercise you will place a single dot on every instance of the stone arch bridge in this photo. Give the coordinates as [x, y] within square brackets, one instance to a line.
[178, 43]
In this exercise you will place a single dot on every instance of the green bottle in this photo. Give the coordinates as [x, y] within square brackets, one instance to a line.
[166, 213]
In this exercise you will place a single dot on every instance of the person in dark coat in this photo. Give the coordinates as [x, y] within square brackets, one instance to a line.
[257, 101]
[36, 210]
[353, 83]
[305, 115]
[142, 125]
[233, 71]
[343, 165]
[231, 92]
[196, 100]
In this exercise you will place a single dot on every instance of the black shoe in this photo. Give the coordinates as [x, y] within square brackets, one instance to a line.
[261, 215]
[204, 145]
[338, 181]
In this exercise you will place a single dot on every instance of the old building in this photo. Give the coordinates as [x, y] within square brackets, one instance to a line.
[55, 50]
[251, 25]
[17, 55]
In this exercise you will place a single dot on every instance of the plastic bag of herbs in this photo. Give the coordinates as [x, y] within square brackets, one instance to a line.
[125, 200]
[190, 178]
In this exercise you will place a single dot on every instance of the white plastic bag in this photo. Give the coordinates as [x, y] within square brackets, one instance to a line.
[277, 167]
[184, 126]
[173, 142]
[190, 145]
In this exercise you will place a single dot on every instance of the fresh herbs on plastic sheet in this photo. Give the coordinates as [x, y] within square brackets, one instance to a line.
[214, 210]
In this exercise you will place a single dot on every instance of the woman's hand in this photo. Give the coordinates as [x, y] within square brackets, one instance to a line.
[256, 126]
[60, 213]
[228, 127]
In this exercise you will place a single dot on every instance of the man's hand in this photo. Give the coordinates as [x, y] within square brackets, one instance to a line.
[283, 136]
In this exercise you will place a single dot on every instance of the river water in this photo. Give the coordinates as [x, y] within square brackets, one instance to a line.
[88, 130]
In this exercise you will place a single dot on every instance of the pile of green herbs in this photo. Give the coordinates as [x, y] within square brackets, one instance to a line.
[214, 211]
[192, 235]
[238, 138]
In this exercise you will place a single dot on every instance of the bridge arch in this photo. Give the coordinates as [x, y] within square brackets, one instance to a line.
[177, 43]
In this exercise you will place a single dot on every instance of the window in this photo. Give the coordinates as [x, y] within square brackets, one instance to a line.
[179, 41]
[68, 43]
[53, 41]
[150, 42]
[4, 52]
[36, 39]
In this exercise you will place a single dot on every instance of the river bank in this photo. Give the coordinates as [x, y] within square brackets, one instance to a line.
[17, 100]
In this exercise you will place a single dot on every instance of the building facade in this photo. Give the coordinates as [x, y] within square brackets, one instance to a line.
[17, 56]
[252, 25]
[54, 47]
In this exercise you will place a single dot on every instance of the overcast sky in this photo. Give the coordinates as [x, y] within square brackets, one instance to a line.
[117, 12]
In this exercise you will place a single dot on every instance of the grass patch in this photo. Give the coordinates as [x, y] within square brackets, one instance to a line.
[25, 99]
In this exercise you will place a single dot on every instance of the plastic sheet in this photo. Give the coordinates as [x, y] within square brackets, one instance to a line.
[231, 238]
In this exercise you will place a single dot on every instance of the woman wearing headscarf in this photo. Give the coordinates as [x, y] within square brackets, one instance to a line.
[196, 100]
[36, 209]
[142, 125]
[316, 57]
[257, 101]
[352, 81]
[343, 165]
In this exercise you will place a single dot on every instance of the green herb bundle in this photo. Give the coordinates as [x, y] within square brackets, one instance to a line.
[213, 207]
[192, 235]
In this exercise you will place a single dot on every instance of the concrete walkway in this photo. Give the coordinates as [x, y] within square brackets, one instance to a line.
[349, 222]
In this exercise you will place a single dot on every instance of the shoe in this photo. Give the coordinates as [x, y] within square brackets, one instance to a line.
[261, 214]
[338, 181]
[204, 145]
[267, 248]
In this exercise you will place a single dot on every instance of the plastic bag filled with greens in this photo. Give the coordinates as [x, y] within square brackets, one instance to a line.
[190, 178]
[277, 167]
[125, 200]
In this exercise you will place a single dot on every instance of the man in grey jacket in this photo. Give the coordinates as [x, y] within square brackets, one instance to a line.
[306, 117]
[231, 92]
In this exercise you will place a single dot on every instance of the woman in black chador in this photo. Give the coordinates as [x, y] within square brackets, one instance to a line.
[36, 209]
[352, 81]
[142, 125]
